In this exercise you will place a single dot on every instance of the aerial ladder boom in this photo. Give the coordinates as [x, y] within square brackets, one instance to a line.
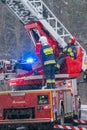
[31, 10]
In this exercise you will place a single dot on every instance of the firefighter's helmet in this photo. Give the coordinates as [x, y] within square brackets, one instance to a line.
[72, 40]
[43, 40]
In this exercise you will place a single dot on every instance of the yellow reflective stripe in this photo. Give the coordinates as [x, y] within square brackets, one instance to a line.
[48, 51]
[71, 54]
[69, 50]
[50, 81]
[49, 62]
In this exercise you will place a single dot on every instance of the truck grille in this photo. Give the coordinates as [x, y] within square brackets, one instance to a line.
[19, 113]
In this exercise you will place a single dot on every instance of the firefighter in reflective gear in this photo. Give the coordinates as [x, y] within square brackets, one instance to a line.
[69, 50]
[48, 60]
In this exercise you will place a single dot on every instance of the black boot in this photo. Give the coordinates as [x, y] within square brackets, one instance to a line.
[53, 85]
[49, 86]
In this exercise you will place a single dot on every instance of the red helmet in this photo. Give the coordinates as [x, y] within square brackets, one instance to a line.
[73, 39]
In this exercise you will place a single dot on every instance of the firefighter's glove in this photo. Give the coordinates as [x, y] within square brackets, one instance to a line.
[57, 66]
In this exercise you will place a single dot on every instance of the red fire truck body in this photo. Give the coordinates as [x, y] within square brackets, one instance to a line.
[35, 106]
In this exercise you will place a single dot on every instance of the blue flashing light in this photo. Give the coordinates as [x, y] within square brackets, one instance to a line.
[30, 60]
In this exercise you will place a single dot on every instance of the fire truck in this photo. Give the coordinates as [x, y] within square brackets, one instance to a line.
[29, 104]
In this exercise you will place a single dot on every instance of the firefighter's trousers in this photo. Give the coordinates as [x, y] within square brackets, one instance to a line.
[49, 71]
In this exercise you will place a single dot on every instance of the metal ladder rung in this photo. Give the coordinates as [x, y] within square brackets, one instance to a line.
[50, 18]
[65, 35]
[35, 1]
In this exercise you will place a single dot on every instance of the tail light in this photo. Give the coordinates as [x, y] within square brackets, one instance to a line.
[46, 107]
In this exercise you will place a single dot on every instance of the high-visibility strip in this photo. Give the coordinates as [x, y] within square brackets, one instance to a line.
[49, 62]
[80, 121]
[50, 81]
[69, 50]
[53, 81]
[48, 51]
[64, 127]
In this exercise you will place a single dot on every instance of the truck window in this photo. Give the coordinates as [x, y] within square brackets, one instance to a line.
[42, 99]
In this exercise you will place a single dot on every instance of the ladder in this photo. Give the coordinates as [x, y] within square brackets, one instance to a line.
[33, 10]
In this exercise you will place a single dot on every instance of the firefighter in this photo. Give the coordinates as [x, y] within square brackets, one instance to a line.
[69, 50]
[48, 60]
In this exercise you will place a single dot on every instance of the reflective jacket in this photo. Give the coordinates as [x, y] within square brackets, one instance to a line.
[47, 55]
[71, 51]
